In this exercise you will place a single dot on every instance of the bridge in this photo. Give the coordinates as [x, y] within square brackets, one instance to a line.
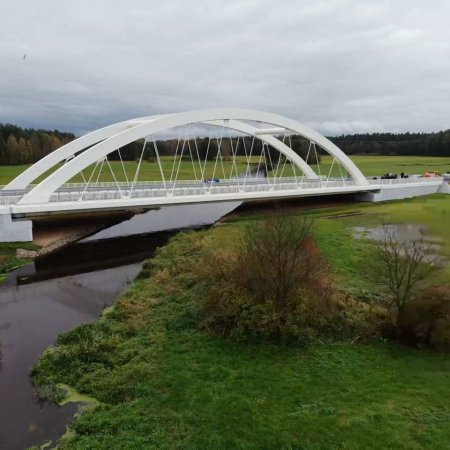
[246, 155]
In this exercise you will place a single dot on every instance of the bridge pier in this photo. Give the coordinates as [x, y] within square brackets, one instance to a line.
[15, 230]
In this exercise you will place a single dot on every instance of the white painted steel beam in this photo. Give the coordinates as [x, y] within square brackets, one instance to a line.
[272, 131]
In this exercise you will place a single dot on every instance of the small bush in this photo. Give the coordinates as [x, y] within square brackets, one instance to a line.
[277, 284]
[401, 267]
[426, 320]
[359, 320]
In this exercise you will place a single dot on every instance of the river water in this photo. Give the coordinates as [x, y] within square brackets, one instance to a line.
[62, 290]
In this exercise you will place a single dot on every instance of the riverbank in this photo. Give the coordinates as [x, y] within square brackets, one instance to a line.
[10, 258]
[163, 383]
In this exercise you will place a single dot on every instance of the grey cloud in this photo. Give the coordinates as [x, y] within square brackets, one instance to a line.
[339, 65]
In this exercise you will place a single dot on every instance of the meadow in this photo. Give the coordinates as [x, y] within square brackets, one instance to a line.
[161, 382]
[369, 165]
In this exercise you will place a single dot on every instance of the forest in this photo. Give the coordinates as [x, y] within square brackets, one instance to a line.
[27, 145]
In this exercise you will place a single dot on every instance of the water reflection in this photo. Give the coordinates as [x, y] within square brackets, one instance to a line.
[31, 316]
[62, 290]
[168, 218]
[403, 233]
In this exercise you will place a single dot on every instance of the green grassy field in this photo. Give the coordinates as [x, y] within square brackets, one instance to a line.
[369, 165]
[350, 257]
[163, 383]
[378, 165]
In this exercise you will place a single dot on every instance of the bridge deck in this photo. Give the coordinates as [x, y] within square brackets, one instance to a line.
[79, 196]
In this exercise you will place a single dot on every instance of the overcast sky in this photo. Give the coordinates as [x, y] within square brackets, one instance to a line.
[339, 66]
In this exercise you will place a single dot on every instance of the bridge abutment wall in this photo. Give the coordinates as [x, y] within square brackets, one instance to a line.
[15, 230]
[400, 192]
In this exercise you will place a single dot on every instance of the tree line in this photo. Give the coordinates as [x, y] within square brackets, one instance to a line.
[407, 144]
[27, 145]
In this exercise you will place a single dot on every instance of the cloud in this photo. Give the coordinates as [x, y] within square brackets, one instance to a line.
[339, 65]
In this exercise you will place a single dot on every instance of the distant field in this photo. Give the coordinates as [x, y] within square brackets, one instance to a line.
[369, 165]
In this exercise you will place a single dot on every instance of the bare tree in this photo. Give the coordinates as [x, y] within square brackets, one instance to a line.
[403, 265]
[276, 258]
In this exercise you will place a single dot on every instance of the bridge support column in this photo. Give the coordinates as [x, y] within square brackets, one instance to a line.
[15, 231]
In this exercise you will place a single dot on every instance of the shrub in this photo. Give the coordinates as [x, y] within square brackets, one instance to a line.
[425, 321]
[401, 267]
[276, 283]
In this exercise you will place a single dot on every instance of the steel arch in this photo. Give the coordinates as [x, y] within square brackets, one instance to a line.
[143, 127]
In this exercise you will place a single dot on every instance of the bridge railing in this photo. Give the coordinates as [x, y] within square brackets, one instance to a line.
[150, 189]
[193, 190]
[409, 180]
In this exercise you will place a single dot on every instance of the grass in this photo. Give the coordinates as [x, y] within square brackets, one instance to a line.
[8, 258]
[432, 211]
[164, 384]
[369, 165]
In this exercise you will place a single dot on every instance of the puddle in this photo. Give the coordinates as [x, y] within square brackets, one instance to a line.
[402, 233]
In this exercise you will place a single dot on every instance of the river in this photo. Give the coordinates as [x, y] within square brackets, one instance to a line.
[62, 290]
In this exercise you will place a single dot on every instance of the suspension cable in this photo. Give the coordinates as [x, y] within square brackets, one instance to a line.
[179, 164]
[279, 159]
[138, 166]
[271, 164]
[114, 177]
[307, 154]
[292, 164]
[99, 172]
[265, 147]
[159, 163]
[87, 184]
[340, 171]
[260, 157]
[206, 159]
[192, 159]
[331, 168]
[221, 160]
[249, 160]
[123, 166]
[198, 159]
[233, 164]
[175, 158]
[218, 150]
[318, 163]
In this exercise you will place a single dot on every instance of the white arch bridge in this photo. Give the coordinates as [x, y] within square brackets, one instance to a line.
[248, 155]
